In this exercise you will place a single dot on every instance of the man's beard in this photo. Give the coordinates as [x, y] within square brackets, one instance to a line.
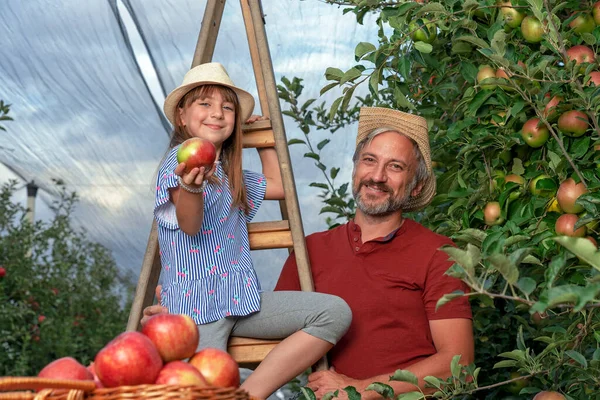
[385, 207]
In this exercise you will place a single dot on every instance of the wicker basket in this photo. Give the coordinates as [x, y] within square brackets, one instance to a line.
[20, 388]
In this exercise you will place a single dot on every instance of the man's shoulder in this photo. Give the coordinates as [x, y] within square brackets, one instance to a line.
[323, 236]
[425, 235]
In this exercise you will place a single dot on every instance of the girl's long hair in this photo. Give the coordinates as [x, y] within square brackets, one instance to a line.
[231, 150]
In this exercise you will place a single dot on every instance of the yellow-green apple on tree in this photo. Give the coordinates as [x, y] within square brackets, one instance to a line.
[512, 16]
[573, 123]
[175, 336]
[515, 386]
[567, 195]
[549, 395]
[596, 12]
[534, 132]
[180, 373]
[485, 72]
[129, 359]
[565, 225]
[423, 30]
[583, 23]
[66, 368]
[196, 153]
[532, 29]
[539, 191]
[217, 367]
[492, 213]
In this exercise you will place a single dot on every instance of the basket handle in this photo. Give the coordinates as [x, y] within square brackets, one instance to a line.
[34, 383]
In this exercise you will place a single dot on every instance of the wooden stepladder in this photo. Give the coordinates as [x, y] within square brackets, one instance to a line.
[286, 233]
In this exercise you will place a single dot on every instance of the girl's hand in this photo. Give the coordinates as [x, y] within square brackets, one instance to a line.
[196, 176]
[254, 118]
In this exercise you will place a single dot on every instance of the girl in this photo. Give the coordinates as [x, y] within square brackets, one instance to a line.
[203, 238]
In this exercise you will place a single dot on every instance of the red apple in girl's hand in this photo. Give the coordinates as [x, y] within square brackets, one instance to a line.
[129, 359]
[197, 152]
[180, 373]
[217, 367]
[66, 368]
[174, 335]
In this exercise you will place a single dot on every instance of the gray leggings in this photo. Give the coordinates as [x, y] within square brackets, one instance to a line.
[281, 314]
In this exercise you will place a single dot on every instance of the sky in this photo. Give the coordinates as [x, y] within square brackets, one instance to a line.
[86, 83]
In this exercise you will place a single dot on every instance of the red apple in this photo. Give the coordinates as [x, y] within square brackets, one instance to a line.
[492, 213]
[2, 272]
[180, 373]
[514, 178]
[568, 192]
[573, 123]
[532, 29]
[592, 240]
[581, 54]
[535, 133]
[174, 335]
[92, 370]
[565, 225]
[217, 367]
[483, 74]
[596, 12]
[583, 23]
[66, 368]
[548, 395]
[594, 78]
[550, 109]
[129, 359]
[196, 153]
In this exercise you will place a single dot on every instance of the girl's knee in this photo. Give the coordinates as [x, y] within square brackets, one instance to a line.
[338, 313]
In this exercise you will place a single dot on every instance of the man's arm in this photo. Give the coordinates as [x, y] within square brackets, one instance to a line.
[450, 337]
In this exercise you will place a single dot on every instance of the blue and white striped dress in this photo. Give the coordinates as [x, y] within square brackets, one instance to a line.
[208, 276]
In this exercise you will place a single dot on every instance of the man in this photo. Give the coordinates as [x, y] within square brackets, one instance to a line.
[389, 269]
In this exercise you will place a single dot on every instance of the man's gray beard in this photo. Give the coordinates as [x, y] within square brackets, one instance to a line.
[387, 207]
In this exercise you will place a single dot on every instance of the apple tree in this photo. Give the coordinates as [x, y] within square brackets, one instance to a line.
[60, 294]
[511, 94]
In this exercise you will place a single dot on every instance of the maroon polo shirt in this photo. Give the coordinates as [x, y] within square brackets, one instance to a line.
[392, 285]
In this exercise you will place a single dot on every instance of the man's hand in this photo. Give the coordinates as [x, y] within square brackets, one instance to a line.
[154, 309]
[323, 382]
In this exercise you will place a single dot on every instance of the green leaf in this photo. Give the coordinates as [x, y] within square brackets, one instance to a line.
[447, 297]
[322, 144]
[295, 141]
[411, 396]
[363, 48]
[507, 268]
[319, 185]
[554, 268]
[334, 108]
[386, 391]
[554, 160]
[468, 259]
[401, 99]
[527, 285]
[333, 74]
[473, 40]
[312, 155]
[350, 75]
[582, 248]
[589, 38]
[499, 42]
[423, 47]
[517, 167]
[433, 382]
[352, 393]
[431, 8]
[517, 355]
[505, 364]
[333, 172]
[577, 357]
[455, 367]
[308, 393]
[328, 87]
[403, 375]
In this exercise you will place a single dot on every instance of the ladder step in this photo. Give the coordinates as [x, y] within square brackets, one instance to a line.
[270, 235]
[249, 352]
[258, 135]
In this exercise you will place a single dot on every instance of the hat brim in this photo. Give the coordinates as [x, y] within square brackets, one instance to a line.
[414, 127]
[245, 99]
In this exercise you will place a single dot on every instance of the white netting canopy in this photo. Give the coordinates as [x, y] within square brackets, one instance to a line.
[86, 81]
